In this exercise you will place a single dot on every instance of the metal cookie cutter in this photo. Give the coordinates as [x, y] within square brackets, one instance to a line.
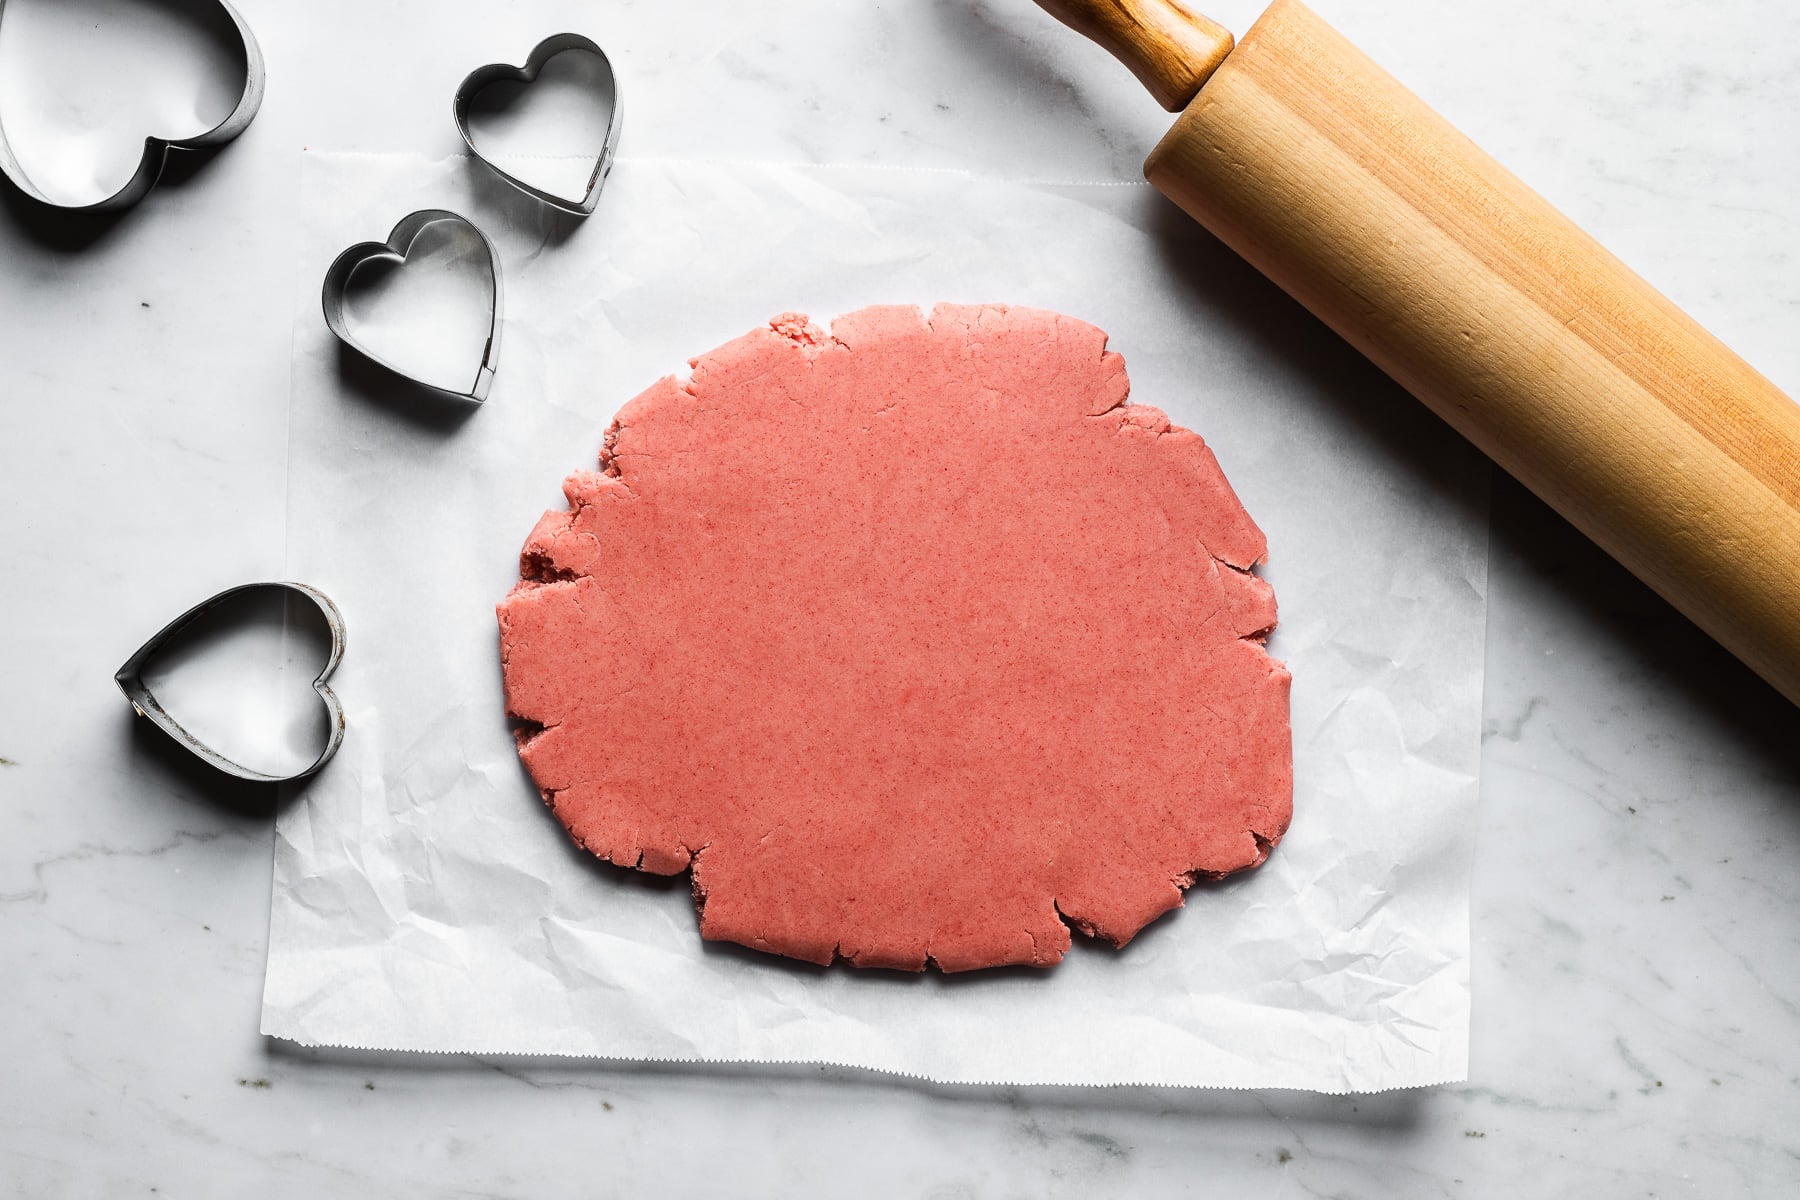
[156, 150]
[395, 249]
[480, 78]
[130, 679]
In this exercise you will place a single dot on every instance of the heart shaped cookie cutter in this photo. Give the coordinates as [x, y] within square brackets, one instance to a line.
[399, 242]
[130, 679]
[480, 78]
[156, 149]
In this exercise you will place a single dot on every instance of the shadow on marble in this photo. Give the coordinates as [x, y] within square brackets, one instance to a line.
[1396, 1111]
[74, 232]
[155, 755]
[1237, 297]
[419, 406]
[516, 210]
[55, 228]
[1743, 710]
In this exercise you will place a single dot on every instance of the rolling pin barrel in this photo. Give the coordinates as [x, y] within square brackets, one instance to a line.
[1486, 303]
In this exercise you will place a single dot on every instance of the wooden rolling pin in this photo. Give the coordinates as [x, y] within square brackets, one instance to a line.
[1486, 303]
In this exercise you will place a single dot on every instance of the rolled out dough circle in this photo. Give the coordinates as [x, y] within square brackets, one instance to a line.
[912, 639]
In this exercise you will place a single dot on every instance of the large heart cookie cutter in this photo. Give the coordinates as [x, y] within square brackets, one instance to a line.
[480, 78]
[156, 149]
[399, 242]
[130, 679]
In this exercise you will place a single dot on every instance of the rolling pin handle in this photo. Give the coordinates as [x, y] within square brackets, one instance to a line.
[1170, 49]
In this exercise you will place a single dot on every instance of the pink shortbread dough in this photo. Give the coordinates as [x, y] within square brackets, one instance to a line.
[911, 638]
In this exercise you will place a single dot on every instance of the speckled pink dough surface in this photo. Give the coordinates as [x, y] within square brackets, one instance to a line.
[911, 638]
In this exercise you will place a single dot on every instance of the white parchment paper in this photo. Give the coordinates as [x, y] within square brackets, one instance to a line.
[425, 899]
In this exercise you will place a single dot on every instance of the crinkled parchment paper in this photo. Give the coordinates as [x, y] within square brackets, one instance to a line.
[425, 899]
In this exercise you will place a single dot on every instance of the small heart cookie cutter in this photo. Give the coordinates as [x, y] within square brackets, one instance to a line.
[156, 149]
[130, 679]
[481, 77]
[399, 242]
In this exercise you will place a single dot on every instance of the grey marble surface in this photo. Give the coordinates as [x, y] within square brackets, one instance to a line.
[1636, 911]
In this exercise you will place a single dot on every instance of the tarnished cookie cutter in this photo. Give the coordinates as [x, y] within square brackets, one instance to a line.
[399, 242]
[130, 679]
[480, 78]
[156, 149]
